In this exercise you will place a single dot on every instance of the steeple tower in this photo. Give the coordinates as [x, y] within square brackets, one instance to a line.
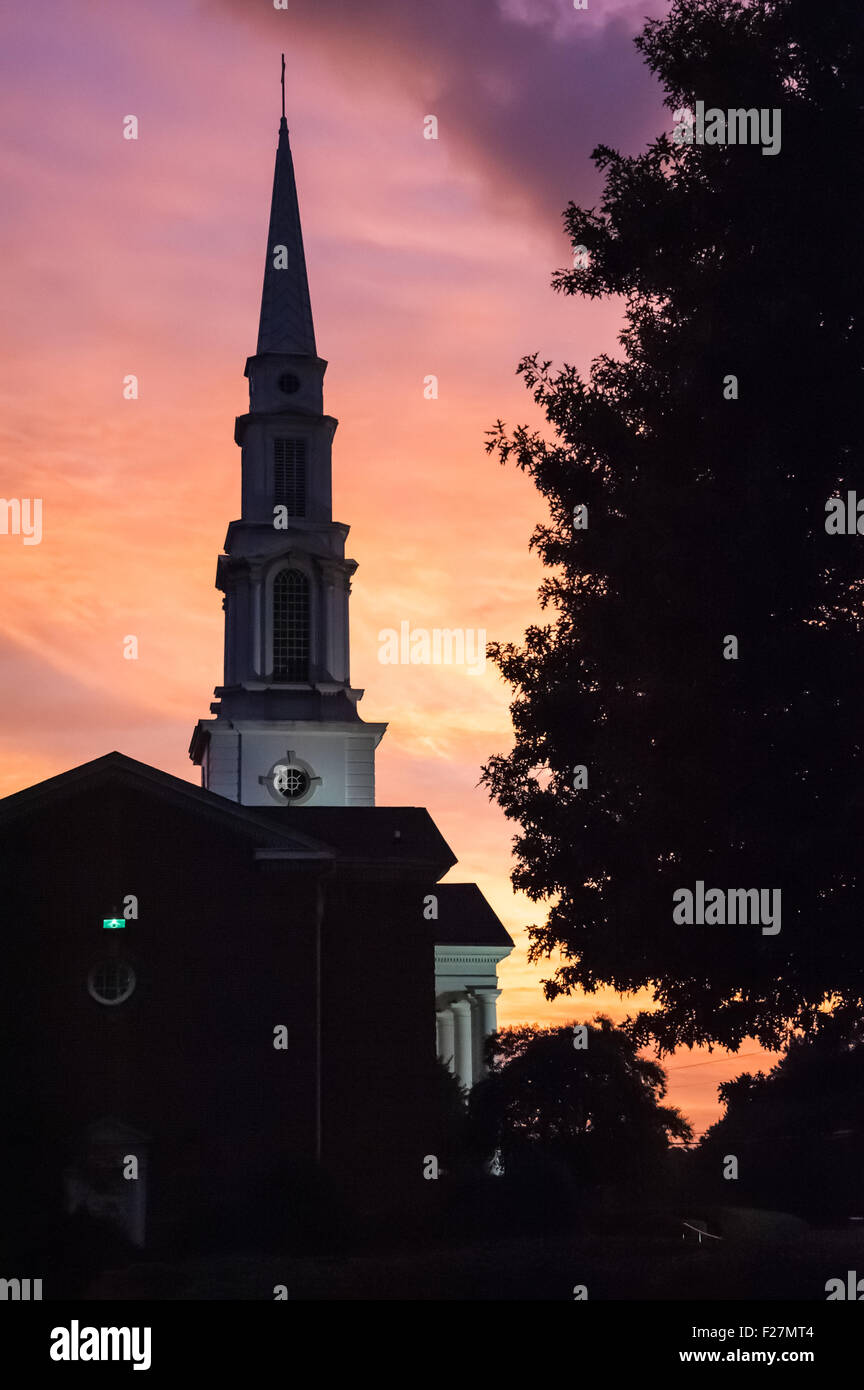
[286, 728]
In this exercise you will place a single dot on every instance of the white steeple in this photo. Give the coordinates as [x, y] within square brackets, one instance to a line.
[286, 728]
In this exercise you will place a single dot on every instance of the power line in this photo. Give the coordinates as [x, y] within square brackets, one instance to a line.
[738, 1057]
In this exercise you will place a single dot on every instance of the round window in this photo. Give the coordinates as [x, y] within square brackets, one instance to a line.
[111, 981]
[289, 383]
[292, 782]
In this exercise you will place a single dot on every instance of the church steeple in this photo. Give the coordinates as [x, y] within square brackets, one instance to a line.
[286, 310]
[286, 727]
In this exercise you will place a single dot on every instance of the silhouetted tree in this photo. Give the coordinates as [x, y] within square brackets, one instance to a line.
[596, 1109]
[797, 1133]
[706, 519]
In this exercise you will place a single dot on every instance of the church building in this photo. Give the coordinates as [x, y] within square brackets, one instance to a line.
[210, 990]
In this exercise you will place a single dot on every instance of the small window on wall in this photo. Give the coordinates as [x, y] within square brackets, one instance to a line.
[289, 475]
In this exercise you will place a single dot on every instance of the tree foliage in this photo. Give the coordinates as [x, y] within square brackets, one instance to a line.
[706, 518]
[797, 1132]
[596, 1108]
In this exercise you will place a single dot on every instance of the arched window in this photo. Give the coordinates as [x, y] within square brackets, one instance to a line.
[291, 626]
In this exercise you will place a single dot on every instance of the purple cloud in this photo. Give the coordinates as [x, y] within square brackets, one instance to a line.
[523, 93]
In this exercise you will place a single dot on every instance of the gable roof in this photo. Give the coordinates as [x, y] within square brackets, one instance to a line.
[116, 769]
[393, 835]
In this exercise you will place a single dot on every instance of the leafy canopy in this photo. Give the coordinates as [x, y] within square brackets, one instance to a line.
[706, 518]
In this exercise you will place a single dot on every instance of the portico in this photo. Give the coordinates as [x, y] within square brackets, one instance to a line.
[471, 943]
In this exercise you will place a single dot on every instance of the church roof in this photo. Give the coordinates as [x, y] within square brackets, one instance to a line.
[286, 311]
[400, 834]
[466, 919]
[118, 769]
[404, 835]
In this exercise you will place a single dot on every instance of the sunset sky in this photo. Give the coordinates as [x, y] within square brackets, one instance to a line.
[425, 257]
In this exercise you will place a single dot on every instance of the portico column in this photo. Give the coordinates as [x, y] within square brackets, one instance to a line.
[488, 1013]
[444, 1031]
[462, 1030]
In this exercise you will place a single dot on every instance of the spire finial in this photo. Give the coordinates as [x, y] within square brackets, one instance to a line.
[283, 86]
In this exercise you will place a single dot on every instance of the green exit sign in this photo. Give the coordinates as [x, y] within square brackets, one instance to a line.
[113, 922]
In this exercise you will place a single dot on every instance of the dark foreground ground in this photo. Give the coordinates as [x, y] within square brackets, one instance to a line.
[764, 1257]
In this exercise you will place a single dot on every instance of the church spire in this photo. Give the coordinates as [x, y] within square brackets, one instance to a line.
[286, 311]
[286, 730]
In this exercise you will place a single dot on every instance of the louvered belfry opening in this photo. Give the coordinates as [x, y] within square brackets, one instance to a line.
[291, 626]
[289, 475]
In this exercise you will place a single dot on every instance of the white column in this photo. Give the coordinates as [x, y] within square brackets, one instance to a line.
[462, 1030]
[444, 1031]
[476, 1036]
[488, 1014]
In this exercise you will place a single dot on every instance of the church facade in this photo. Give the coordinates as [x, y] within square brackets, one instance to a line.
[211, 989]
